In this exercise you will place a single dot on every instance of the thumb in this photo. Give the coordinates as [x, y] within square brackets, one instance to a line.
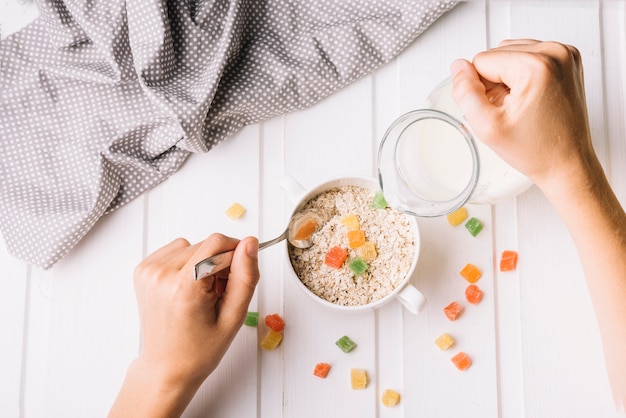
[471, 95]
[242, 281]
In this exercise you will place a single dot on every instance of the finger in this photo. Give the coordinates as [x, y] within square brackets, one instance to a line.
[214, 244]
[243, 278]
[510, 42]
[470, 92]
[168, 250]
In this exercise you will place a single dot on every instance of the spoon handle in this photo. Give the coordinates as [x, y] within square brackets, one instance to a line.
[220, 261]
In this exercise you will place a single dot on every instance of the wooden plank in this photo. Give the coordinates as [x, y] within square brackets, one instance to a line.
[445, 250]
[558, 323]
[332, 139]
[83, 328]
[191, 204]
[14, 282]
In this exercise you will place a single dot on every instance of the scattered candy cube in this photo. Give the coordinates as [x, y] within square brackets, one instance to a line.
[358, 266]
[473, 294]
[235, 211]
[336, 257]
[346, 344]
[471, 273]
[390, 397]
[367, 251]
[274, 322]
[508, 261]
[358, 378]
[461, 361]
[305, 230]
[252, 319]
[356, 238]
[457, 217]
[271, 340]
[379, 202]
[474, 226]
[444, 341]
[453, 310]
[351, 222]
[321, 370]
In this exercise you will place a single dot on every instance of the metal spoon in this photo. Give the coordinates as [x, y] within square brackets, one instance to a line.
[218, 262]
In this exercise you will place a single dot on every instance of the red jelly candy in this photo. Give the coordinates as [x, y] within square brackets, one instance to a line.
[473, 294]
[275, 322]
[453, 310]
[336, 257]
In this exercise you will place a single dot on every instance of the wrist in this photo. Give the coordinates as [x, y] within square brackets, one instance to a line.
[150, 390]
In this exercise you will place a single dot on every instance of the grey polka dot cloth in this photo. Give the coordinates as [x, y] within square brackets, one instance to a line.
[102, 100]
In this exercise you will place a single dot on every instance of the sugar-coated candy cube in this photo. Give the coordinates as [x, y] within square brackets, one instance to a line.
[346, 344]
[252, 319]
[379, 202]
[367, 251]
[235, 211]
[321, 370]
[508, 261]
[274, 322]
[473, 294]
[390, 397]
[457, 217]
[356, 238]
[471, 273]
[474, 226]
[271, 340]
[336, 257]
[358, 378]
[305, 229]
[358, 266]
[461, 361]
[453, 310]
[351, 222]
[444, 341]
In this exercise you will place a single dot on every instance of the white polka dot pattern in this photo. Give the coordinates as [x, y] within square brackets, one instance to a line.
[102, 100]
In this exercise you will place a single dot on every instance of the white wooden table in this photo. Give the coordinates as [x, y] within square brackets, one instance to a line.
[68, 334]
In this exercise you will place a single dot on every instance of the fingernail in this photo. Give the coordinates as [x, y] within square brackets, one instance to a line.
[456, 66]
[252, 248]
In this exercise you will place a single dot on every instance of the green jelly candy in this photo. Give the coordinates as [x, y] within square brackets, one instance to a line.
[252, 319]
[346, 344]
[358, 266]
[474, 226]
[379, 202]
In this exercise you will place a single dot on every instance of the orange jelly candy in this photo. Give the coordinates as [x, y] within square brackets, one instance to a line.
[356, 238]
[508, 261]
[335, 257]
[471, 273]
[274, 322]
[321, 370]
[306, 229]
[461, 361]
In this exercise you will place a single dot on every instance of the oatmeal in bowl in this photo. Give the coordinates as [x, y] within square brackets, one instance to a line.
[363, 251]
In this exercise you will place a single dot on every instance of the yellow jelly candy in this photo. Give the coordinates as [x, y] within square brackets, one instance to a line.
[358, 377]
[351, 222]
[367, 251]
[235, 211]
[457, 217]
[390, 397]
[271, 340]
[444, 341]
[356, 238]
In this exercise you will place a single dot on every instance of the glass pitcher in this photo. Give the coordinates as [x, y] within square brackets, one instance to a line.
[429, 163]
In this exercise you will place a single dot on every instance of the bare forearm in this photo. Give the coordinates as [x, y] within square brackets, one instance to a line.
[143, 393]
[597, 224]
